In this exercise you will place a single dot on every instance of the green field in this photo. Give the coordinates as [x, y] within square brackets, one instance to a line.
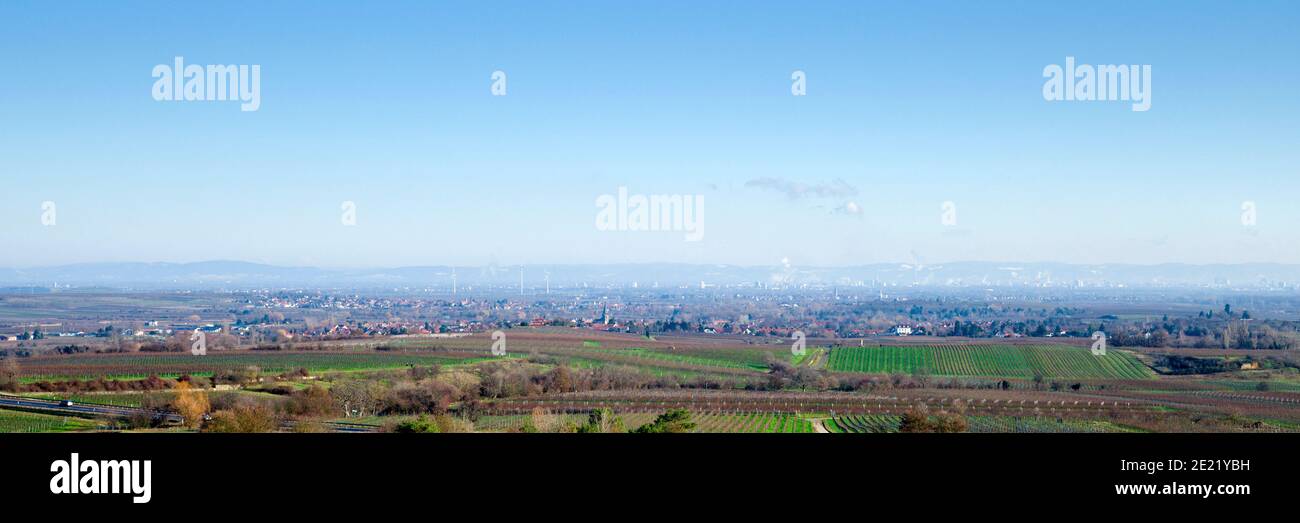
[19, 421]
[994, 361]
[868, 424]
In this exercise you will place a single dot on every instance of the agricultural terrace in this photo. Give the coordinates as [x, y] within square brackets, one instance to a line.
[885, 423]
[727, 423]
[973, 402]
[680, 352]
[139, 365]
[994, 361]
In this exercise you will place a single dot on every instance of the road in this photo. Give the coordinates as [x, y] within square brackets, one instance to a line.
[82, 409]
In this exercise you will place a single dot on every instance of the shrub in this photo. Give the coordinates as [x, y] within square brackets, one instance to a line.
[673, 421]
[919, 420]
[245, 416]
[602, 421]
[416, 426]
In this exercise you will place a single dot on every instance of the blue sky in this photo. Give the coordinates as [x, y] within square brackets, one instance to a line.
[388, 105]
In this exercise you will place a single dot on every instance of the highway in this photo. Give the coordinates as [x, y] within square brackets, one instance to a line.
[83, 409]
[54, 406]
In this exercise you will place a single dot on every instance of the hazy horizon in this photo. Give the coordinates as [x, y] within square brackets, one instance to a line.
[969, 275]
[1009, 263]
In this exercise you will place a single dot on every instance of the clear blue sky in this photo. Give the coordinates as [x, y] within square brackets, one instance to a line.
[388, 104]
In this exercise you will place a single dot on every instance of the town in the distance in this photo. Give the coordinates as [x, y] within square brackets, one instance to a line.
[229, 347]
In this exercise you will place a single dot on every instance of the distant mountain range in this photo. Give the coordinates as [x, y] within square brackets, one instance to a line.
[244, 275]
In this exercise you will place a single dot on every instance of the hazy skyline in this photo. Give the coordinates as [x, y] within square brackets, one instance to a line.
[908, 106]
